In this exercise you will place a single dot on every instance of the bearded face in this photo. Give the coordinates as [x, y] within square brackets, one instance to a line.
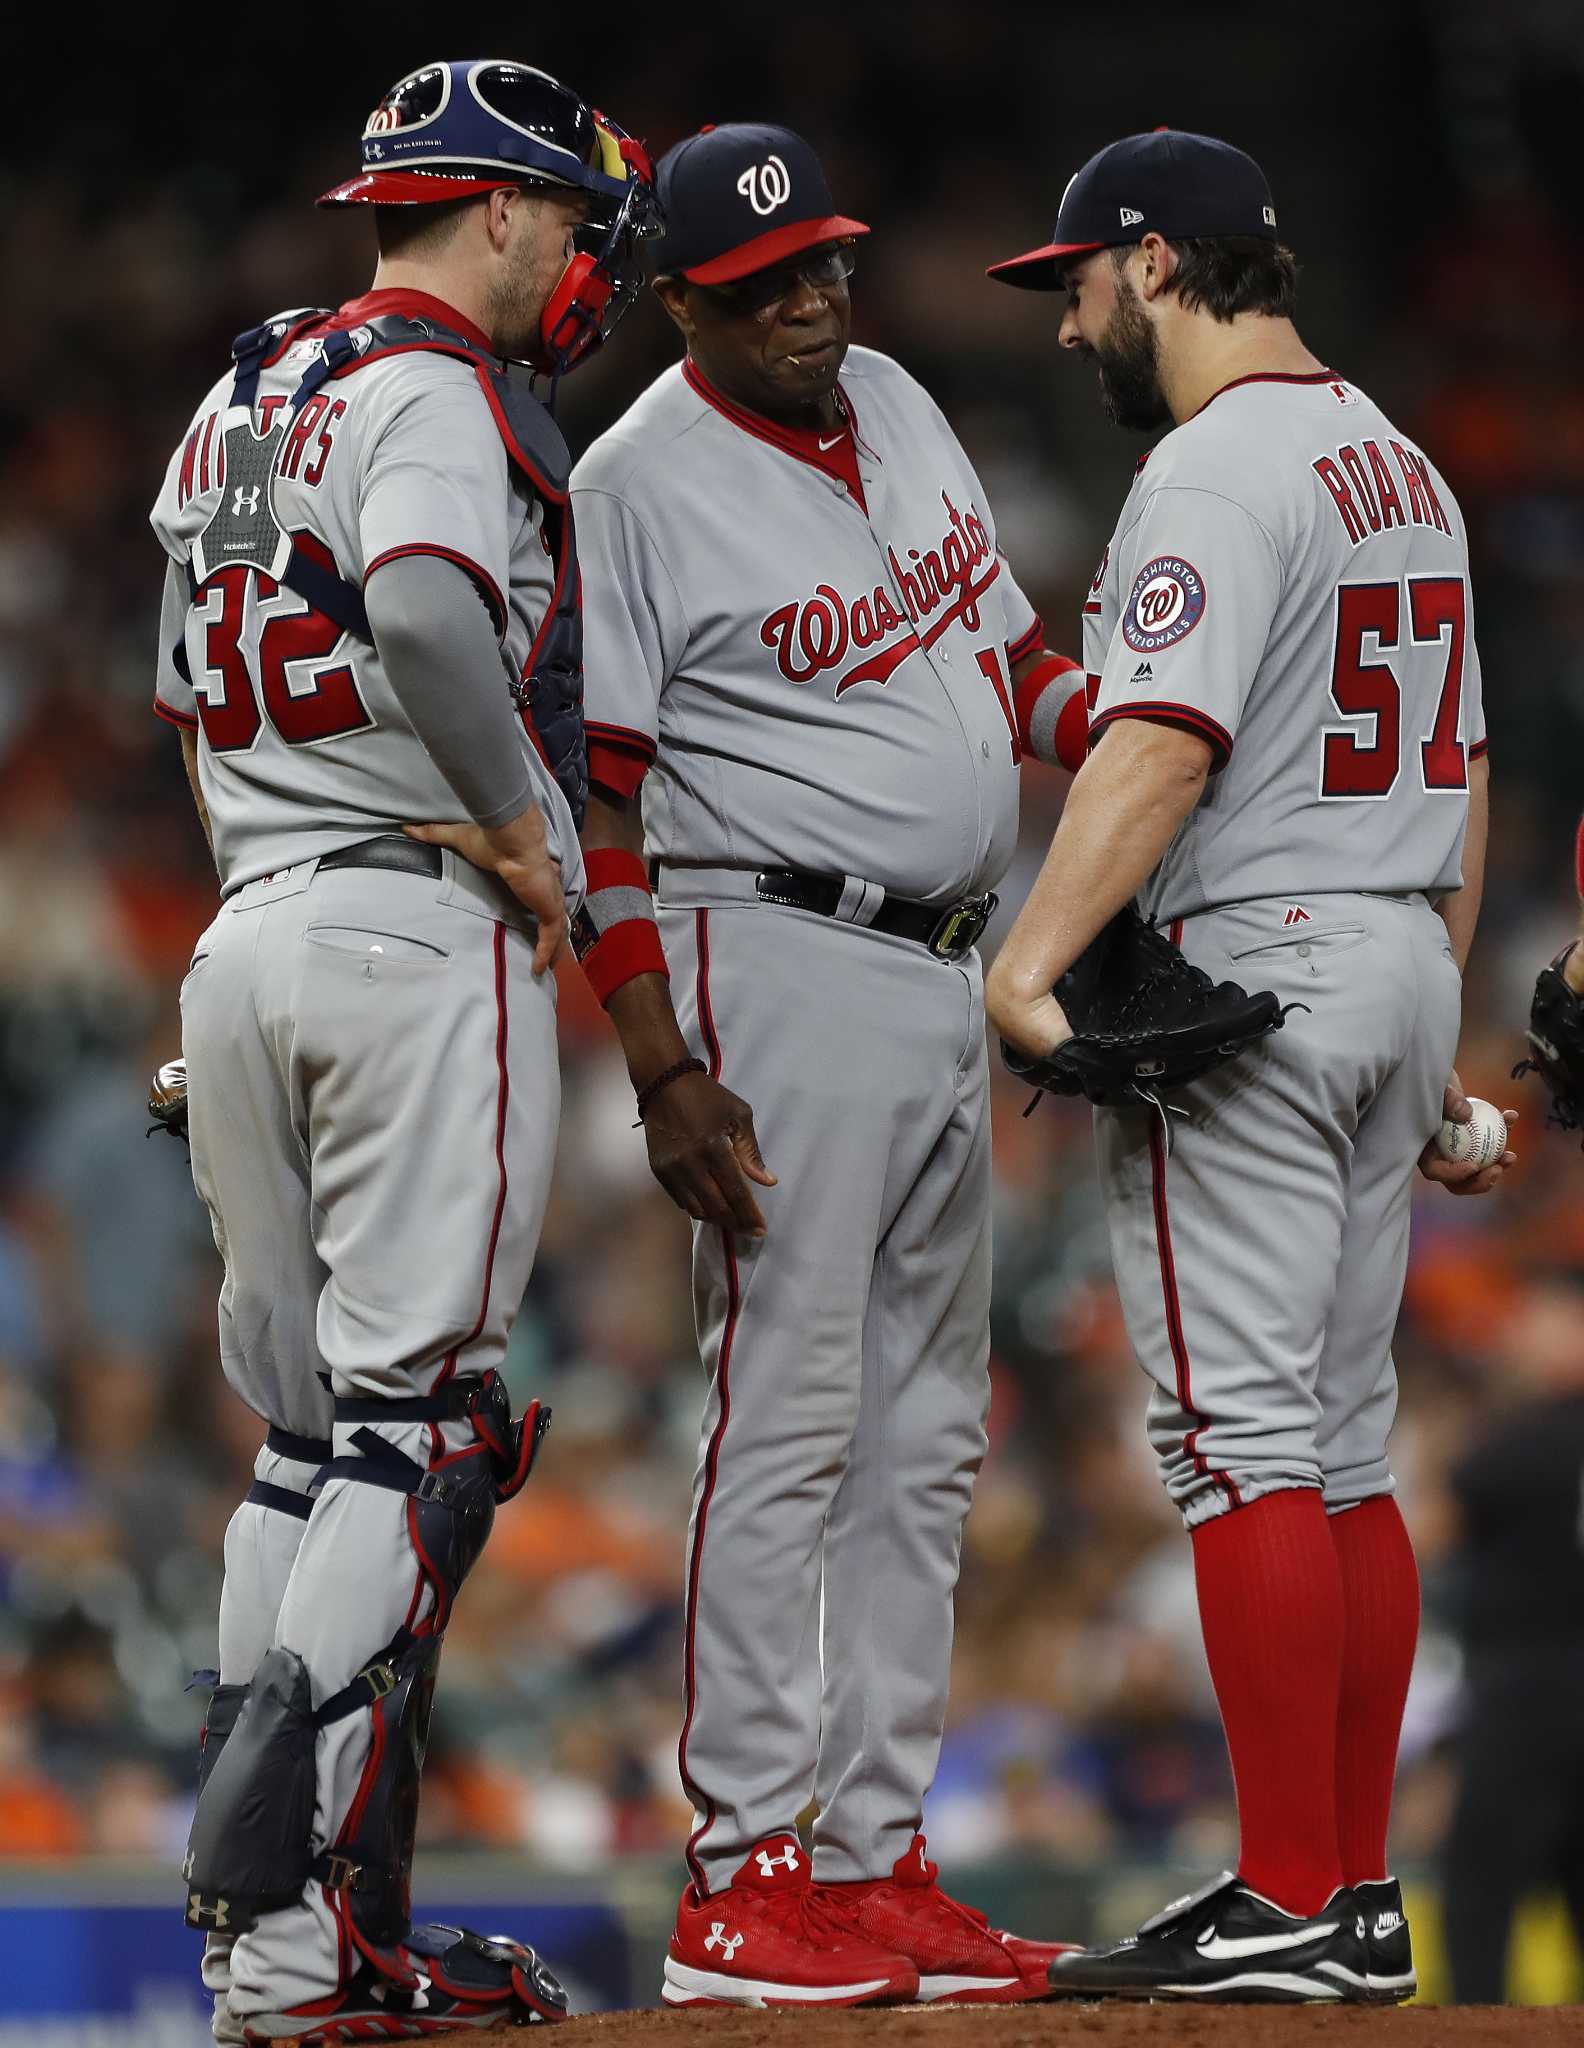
[1128, 356]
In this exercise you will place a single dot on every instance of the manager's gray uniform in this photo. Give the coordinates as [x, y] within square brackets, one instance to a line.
[819, 676]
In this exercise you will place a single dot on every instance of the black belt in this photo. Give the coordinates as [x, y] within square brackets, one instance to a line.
[403, 856]
[948, 933]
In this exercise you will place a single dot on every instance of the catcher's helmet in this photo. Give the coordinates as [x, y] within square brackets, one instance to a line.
[473, 125]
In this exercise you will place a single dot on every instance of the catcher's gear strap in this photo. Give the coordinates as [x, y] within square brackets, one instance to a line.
[1052, 711]
[615, 935]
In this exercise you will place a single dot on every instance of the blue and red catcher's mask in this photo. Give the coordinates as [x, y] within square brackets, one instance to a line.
[457, 129]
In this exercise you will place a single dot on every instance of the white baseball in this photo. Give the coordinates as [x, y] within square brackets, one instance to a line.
[1483, 1139]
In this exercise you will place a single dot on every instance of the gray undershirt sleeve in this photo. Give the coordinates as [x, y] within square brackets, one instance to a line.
[438, 649]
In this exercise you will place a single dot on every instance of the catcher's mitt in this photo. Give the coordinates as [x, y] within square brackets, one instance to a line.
[1144, 1019]
[167, 1102]
[1556, 1043]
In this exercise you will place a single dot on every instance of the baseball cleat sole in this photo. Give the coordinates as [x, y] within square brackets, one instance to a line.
[684, 1985]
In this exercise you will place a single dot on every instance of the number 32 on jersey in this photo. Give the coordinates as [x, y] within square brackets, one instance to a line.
[1397, 656]
[257, 643]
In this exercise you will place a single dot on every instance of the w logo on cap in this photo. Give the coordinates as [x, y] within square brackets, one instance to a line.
[766, 186]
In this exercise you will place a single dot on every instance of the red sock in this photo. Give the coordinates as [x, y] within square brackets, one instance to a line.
[1270, 1602]
[1380, 1603]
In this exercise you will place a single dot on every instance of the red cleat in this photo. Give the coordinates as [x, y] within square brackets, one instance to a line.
[961, 1958]
[770, 1939]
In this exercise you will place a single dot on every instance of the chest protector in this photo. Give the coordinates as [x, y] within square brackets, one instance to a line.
[244, 527]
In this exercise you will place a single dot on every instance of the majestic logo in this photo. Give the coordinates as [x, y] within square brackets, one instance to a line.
[1144, 673]
[1341, 393]
[766, 186]
[941, 585]
[245, 502]
[1168, 601]
[717, 1937]
[1131, 216]
[1296, 914]
[771, 1864]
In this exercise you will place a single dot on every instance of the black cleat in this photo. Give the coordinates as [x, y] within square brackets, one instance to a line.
[1390, 1977]
[1226, 1942]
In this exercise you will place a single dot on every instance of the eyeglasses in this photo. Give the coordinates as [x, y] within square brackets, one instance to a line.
[821, 269]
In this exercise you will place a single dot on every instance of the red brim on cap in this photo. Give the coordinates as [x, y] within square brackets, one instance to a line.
[408, 188]
[764, 250]
[1039, 270]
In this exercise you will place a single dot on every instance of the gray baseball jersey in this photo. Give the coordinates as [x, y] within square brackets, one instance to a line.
[822, 667]
[305, 746]
[809, 637]
[1289, 578]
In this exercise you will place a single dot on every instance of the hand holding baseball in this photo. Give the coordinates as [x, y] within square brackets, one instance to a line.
[1469, 1154]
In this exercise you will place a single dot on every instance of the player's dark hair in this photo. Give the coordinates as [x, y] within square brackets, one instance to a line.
[419, 230]
[1232, 274]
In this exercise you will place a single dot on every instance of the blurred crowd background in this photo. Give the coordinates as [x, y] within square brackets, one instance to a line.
[157, 200]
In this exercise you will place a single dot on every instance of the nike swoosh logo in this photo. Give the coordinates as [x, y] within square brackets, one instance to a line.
[1218, 1948]
[831, 443]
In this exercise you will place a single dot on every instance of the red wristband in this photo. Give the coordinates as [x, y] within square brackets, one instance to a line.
[621, 955]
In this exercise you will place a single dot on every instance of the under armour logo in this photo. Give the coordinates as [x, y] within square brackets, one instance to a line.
[376, 150]
[766, 186]
[248, 500]
[771, 1864]
[728, 1944]
[217, 1916]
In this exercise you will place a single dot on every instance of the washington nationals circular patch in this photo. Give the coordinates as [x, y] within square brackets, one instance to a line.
[1167, 602]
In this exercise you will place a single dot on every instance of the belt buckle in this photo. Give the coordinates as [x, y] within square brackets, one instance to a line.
[961, 927]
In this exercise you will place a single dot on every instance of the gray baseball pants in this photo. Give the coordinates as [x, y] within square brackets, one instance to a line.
[374, 1094]
[1261, 1256]
[847, 1354]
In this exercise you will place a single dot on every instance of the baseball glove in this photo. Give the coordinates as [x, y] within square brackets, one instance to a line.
[167, 1102]
[1556, 1043]
[1144, 1019]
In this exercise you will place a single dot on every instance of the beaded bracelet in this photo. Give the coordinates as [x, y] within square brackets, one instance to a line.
[650, 1089]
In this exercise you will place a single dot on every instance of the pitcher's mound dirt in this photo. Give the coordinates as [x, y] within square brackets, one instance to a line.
[1070, 2023]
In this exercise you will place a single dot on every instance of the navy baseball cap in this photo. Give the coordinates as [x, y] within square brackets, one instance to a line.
[740, 197]
[1169, 183]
